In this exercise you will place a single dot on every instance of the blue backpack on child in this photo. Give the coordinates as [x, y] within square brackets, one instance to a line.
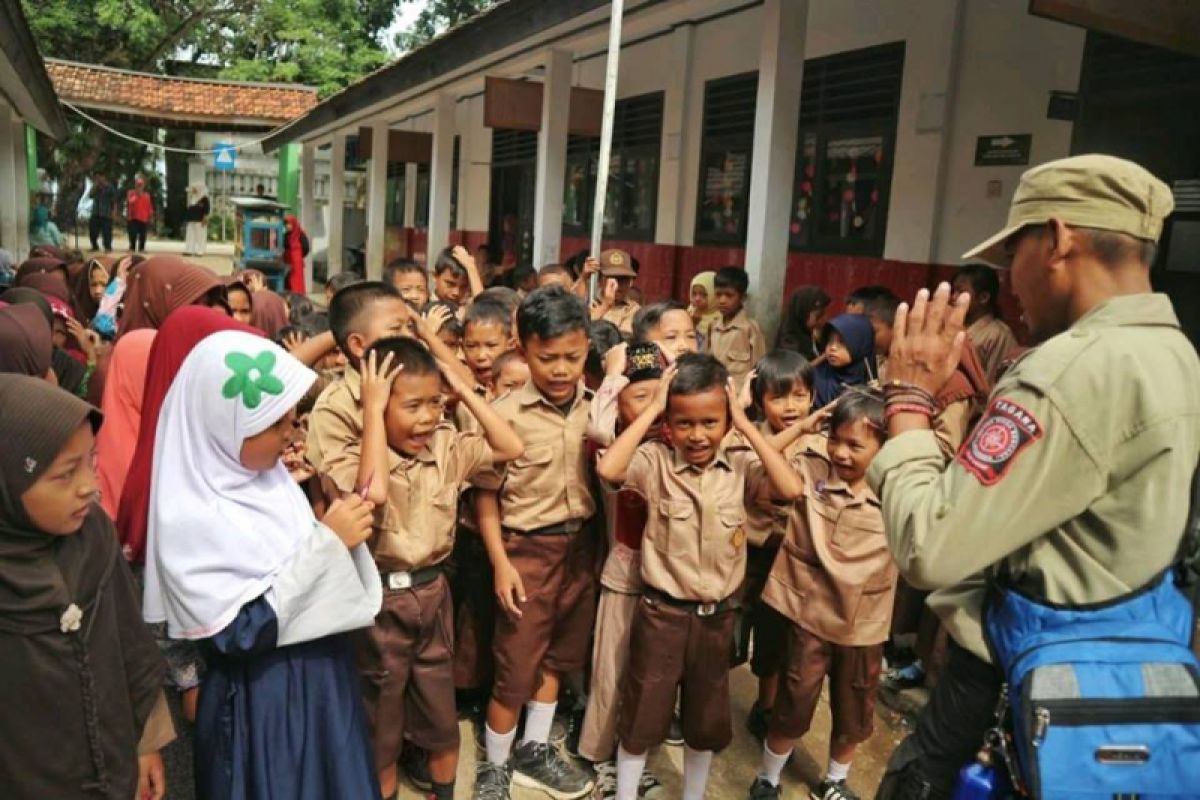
[1104, 698]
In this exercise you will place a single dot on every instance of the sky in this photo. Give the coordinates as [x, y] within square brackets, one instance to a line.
[404, 17]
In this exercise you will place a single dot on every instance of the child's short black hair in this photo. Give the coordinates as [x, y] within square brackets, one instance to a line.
[299, 306]
[882, 306]
[451, 322]
[550, 312]
[347, 307]
[445, 261]
[503, 360]
[523, 273]
[402, 266]
[509, 298]
[489, 312]
[732, 278]
[408, 353]
[314, 323]
[865, 294]
[859, 403]
[983, 279]
[778, 371]
[602, 337]
[697, 373]
[648, 317]
[343, 279]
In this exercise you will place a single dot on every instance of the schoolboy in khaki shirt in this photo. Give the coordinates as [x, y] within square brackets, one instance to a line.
[693, 563]
[735, 339]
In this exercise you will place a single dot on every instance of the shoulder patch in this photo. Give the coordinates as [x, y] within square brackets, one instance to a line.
[1005, 430]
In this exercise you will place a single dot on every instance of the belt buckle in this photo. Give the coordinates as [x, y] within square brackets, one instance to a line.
[399, 580]
[706, 609]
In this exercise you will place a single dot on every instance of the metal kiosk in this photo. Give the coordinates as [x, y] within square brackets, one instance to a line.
[259, 234]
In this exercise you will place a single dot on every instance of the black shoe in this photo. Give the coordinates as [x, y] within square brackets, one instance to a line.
[675, 732]
[832, 790]
[763, 789]
[538, 765]
[492, 781]
[415, 763]
[757, 720]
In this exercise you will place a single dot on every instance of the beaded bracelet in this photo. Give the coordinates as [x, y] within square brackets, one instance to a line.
[893, 409]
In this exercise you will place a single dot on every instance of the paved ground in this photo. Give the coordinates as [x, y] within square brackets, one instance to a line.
[735, 768]
[218, 257]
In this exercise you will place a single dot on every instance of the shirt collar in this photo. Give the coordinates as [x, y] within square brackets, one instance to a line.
[739, 320]
[679, 463]
[1141, 309]
[353, 382]
[834, 484]
[531, 396]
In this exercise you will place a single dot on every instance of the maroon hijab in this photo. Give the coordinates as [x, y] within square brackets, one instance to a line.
[268, 312]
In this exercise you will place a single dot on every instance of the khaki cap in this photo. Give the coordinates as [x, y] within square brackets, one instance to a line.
[1090, 191]
[616, 264]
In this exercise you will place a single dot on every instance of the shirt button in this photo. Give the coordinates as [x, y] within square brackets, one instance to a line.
[942, 510]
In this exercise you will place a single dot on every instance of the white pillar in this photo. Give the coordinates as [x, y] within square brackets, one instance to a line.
[337, 205]
[551, 159]
[308, 206]
[676, 102]
[10, 238]
[377, 199]
[440, 172]
[773, 162]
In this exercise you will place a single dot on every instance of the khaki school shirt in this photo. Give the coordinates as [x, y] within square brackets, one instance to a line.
[694, 547]
[834, 576]
[415, 528]
[1076, 480]
[993, 340]
[738, 344]
[335, 422]
[622, 315]
[767, 518]
[551, 483]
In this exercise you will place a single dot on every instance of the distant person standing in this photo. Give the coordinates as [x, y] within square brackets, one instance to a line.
[104, 209]
[196, 217]
[139, 212]
[42, 230]
[295, 248]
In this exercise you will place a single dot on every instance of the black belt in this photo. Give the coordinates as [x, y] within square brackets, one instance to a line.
[410, 579]
[561, 529]
[699, 608]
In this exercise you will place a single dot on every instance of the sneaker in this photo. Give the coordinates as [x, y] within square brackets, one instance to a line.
[650, 787]
[492, 781]
[606, 781]
[907, 677]
[832, 790]
[675, 732]
[538, 765]
[415, 763]
[763, 789]
[756, 722]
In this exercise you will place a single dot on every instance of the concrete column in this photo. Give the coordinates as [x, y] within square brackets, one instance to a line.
[676, 102]
[773, 163]
[334, 253]
[308, 206]
[551, 159]
[10, 180]
[377, 199]
[21, 184]
[441, 172]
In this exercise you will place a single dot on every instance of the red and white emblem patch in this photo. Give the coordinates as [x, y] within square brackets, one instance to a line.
[1005, 430]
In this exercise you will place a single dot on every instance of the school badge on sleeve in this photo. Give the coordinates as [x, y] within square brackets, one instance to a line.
[1005, 430]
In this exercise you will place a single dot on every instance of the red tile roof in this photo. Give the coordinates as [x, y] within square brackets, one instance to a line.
[184, 99]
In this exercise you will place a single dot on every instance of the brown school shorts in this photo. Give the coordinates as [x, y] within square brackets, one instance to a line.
[559, 576]
[406, 663]
[672, 647]
[853, 683]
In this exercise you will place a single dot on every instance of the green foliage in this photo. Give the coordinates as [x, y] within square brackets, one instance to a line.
[435, 18]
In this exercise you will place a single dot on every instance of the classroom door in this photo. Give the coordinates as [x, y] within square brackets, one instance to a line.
[514, 175]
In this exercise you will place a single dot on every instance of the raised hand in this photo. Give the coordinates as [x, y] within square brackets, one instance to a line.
[928, 338]
[377, 380]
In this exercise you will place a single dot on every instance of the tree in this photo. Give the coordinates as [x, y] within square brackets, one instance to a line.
[435, 18]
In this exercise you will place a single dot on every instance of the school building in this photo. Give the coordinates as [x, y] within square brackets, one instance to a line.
[829, 142]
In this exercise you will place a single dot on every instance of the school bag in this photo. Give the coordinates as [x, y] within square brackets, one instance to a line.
[1104, 699]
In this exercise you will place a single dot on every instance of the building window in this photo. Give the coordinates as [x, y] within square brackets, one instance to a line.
[631, 206]
[846, 143]
[421, 212]
[396, 189]
[454, 186]
[726, 142]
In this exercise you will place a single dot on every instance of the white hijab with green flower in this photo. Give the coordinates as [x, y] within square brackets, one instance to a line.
[218, 532]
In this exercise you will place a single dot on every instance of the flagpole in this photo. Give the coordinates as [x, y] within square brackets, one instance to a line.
[606, 126]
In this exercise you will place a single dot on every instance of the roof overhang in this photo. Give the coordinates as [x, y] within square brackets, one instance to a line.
[23, 78]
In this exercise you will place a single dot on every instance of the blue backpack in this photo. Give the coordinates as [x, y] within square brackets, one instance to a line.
[1104, 698]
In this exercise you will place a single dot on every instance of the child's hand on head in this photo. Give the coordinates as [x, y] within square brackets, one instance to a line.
[737, 411]
[663, 392]
[376, 382]
[350, 519]
[614, 359]
[814, 421]
[293, 340]
[746, 398]
[453, 380]
[591, 265]
[437, 316]
[460, 254]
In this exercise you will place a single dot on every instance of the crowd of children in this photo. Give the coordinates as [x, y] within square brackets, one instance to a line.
[433, 498]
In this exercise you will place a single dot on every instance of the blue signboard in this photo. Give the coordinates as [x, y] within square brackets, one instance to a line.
[225, 157]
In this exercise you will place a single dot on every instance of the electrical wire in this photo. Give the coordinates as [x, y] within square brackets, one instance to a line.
[170, 149]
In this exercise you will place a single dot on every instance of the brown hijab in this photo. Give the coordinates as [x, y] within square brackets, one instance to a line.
[81, 286]
[268, 312]
[158, 286]
[26, 345]
[79, 671]
[32, 266]
[51, 284]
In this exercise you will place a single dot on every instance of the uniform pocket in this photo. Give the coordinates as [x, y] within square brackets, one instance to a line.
[675, 518]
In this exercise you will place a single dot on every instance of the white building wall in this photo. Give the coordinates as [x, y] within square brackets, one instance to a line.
[1011, 61]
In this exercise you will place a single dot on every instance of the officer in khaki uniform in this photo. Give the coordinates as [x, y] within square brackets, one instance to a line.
[617, 265]
[1076, 481]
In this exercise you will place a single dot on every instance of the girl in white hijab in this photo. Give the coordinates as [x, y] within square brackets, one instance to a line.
[196, 216]
[235, 557]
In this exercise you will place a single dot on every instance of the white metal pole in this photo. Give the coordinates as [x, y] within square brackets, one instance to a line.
[606, 126]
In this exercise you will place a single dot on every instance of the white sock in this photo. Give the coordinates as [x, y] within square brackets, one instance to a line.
[538, 719]
[629, 773]
[772, 765]
[837, 772]
[696, 764]
[499, 745]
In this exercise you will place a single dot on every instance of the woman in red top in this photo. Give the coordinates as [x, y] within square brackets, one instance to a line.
[293, 253]
[139, 212]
